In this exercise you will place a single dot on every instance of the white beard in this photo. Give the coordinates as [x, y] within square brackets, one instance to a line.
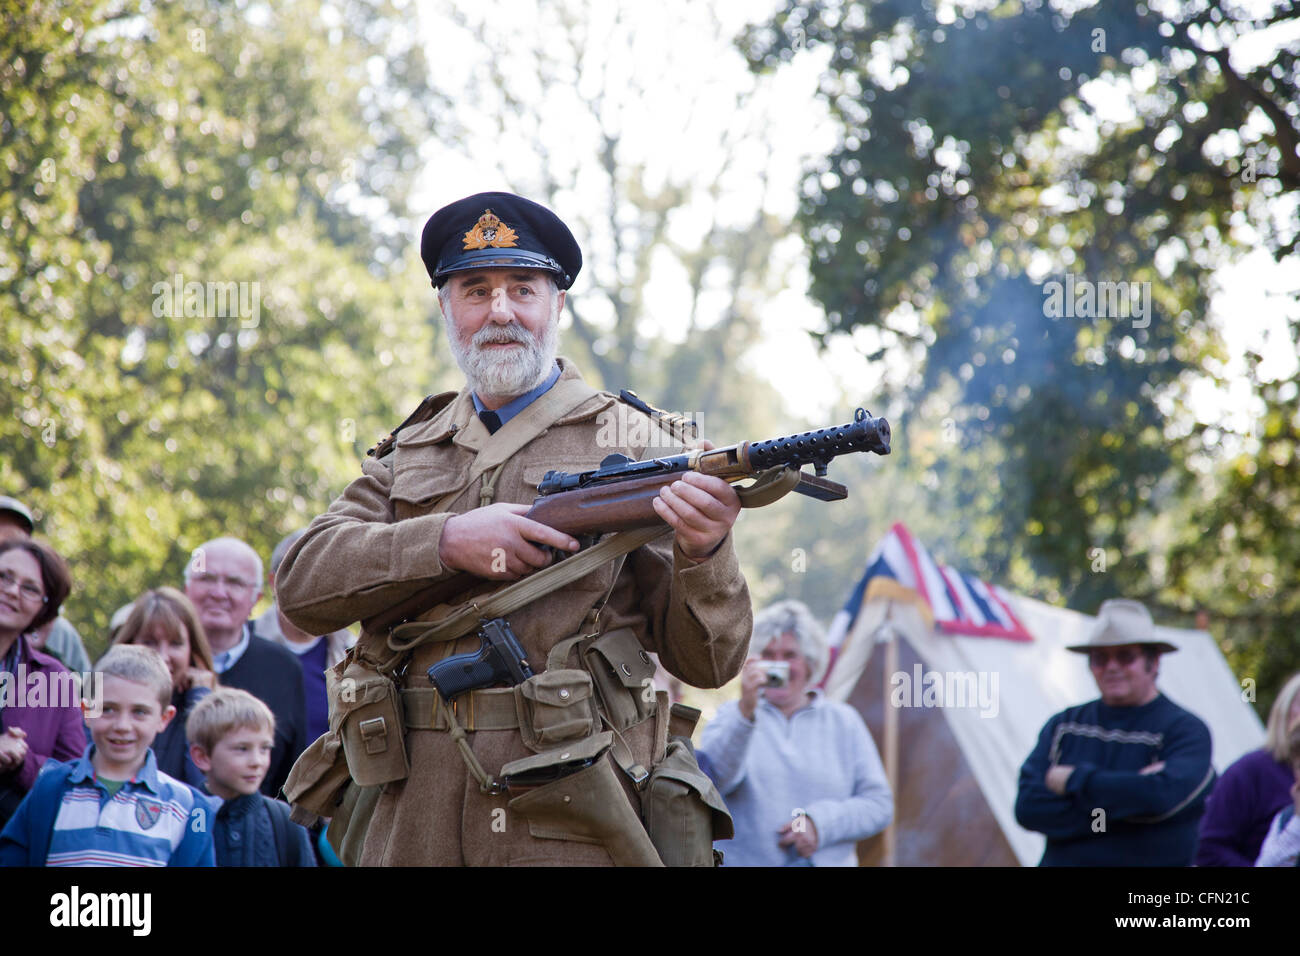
[512, 373]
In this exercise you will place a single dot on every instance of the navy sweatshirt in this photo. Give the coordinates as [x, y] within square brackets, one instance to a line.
[1112, 815]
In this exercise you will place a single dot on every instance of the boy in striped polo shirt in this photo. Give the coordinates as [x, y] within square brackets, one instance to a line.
[113, 807]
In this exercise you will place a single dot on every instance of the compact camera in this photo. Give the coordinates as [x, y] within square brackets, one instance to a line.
[775, 673]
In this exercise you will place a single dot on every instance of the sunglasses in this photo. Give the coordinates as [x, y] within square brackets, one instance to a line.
[1124, 656]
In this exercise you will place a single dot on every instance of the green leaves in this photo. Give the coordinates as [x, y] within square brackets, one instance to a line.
[987, 155]
[201, 332]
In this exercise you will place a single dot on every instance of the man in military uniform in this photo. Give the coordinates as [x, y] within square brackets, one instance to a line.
[450, 496]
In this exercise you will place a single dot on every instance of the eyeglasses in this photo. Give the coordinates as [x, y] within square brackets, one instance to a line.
[1124, 656]
[207, 580]
[28, 590]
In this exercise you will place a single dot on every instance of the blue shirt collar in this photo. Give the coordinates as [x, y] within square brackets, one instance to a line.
[84, 770]
[228, 659]
[517, 405]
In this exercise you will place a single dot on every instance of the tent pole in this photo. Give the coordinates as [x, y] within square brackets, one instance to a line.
[891, 735]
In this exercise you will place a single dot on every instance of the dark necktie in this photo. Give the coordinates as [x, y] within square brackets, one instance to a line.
[490, 419]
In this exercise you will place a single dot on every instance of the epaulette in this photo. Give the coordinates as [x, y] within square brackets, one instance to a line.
[431, 406]
[683, 429]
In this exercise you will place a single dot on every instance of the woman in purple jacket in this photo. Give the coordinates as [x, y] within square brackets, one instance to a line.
[40, 707]
[1251, 792]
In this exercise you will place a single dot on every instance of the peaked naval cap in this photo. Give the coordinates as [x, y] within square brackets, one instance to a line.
[496, 231]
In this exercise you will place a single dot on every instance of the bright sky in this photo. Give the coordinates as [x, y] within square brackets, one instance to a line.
[671, 93]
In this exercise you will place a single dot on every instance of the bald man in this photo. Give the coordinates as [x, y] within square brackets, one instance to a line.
[224, 580]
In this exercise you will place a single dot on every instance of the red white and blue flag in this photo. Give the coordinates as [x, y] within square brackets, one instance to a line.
[959, 602]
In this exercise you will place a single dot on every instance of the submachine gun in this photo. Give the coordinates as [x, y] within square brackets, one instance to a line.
[618, 496]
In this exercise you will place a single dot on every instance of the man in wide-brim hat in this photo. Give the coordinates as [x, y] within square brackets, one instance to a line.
[1123, 633]
[1122, 780]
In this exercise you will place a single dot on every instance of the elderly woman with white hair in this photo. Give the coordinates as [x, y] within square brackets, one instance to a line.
[800, 773]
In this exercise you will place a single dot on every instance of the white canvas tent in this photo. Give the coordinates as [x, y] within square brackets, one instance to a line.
[894, 640]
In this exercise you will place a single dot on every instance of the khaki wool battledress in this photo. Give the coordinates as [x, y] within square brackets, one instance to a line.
[378, 544]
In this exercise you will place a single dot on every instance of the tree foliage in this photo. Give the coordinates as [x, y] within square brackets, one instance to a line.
[987, 150]
[248, 156]
[559, 110]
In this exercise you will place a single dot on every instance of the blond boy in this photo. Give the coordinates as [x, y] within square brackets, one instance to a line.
[231, 735]
[113, 807]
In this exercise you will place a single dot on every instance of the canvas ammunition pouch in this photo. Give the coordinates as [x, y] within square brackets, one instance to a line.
[368, 715]
[342, 773]
[682, 809]
[624, 676]
[588, 806]
[556, 706]
[316, 782]
[347, 829]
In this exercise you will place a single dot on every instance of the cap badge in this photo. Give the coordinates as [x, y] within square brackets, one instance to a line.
[490, 231]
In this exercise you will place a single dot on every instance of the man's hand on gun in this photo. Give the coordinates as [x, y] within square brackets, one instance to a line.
[690, 492]
[499, 543]
[700, 509]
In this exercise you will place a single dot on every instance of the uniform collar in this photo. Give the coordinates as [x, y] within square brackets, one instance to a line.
[516, 405]
[459, 419]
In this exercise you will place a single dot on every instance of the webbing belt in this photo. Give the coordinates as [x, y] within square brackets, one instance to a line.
[477, 709]
[490, 710]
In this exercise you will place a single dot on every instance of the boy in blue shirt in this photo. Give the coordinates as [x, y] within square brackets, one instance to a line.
[113, 807]
[231, 735]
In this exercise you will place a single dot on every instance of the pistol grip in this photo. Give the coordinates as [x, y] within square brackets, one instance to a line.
[455, 675]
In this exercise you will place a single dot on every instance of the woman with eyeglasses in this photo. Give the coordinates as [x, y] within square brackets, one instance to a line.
[39, 710]
[164, 619]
